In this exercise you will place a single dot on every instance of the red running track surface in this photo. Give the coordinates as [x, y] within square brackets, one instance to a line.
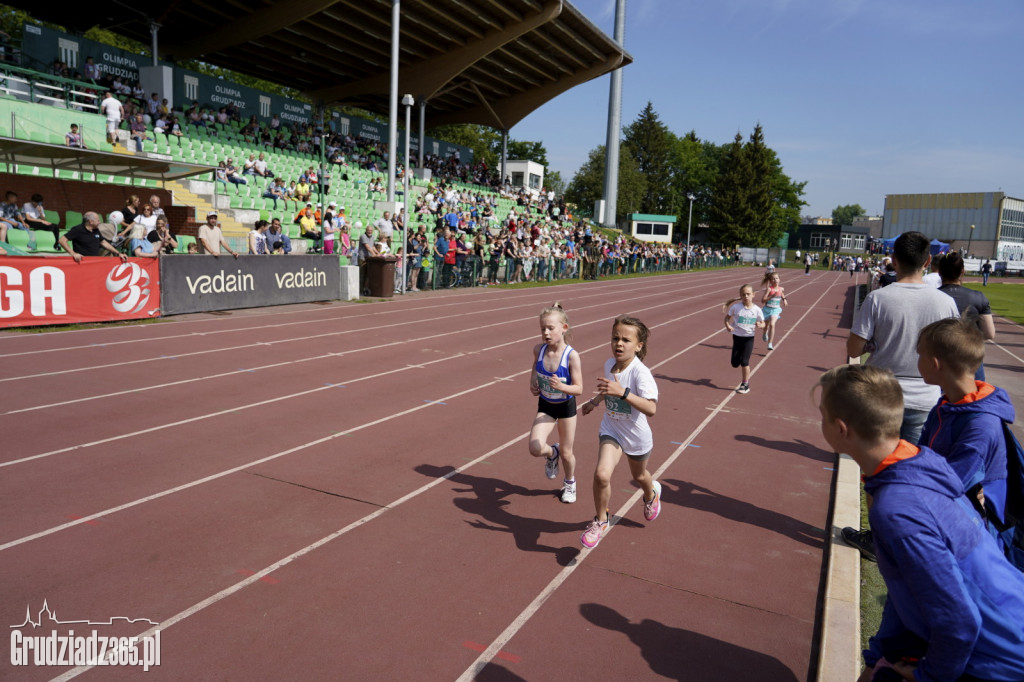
[345, 492]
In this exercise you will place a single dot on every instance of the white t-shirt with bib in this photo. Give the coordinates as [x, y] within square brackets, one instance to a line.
[621, 420]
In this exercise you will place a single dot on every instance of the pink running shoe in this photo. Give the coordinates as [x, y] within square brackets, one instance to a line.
[594, 533]
[653, 508]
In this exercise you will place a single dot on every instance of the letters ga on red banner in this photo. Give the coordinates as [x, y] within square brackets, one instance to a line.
[36, 290]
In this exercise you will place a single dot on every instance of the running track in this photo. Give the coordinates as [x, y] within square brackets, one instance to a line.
[344, 492]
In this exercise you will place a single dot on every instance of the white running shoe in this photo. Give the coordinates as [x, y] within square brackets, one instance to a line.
[551, 463]
[568, 492]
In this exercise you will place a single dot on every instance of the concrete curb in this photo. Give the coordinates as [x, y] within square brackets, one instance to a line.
[840, 655]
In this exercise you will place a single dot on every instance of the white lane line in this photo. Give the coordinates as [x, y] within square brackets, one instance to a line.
[123, 363]
[212, 477]
[233, 589]
[294, 361]
[524, 294]
[255, 577]
[1008, 352]
[520, 620]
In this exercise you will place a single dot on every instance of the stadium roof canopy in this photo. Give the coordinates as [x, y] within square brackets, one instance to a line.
[490, 62]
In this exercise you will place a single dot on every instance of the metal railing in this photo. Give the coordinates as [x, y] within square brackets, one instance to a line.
[33, 86]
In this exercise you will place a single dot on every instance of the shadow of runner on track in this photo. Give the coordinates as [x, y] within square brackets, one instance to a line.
[488, 501]
[691, 495]
[797, 447]
[695, 382]
[846, 317]
[684, 655]
[1008, 368]
[493, 672]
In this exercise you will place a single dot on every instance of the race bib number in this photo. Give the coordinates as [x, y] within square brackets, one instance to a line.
[544, 382]
[617, 408]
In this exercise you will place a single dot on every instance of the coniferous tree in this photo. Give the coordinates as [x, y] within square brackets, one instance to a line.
[649, 142]
[760, 228]
[730, 214]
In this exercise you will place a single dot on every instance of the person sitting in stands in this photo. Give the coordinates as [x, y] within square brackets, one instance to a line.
[308, 227]
[138, 132]
[249, 167]
[275, 191]
[35, 217]
[260, 167]
[231, 173]
[162, 234]
[73, 138]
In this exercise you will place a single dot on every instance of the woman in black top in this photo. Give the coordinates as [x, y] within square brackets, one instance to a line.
[972, 304]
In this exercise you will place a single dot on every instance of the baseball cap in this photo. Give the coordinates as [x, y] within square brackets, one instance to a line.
[211, 213]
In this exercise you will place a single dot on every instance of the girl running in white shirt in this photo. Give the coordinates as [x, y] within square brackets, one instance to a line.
[630, 396]
[556, 380]
[742, 317]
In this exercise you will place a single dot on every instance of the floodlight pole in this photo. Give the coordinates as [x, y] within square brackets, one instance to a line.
[393, 101]
[689, 223]
[611, 164]
[423, 118]
[408, 101]
[969, 238]
[154, 28]
[504, 155]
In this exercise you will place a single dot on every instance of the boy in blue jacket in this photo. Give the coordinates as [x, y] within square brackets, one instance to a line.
[965, 426]
[955, 605]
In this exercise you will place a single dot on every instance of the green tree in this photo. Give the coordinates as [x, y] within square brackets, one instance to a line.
[485, 142]
[649, 142]
[730, 213]
[553, 181]
[587, 186]
[844, 215]
[760, 228]
[525, 150]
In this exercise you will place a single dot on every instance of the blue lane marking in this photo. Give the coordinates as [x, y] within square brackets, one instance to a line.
[335, 385]
[170, 357]
[243, 369]
[435, 402]
[828, 468]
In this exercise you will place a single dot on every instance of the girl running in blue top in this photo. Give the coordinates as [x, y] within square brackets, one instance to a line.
[773, 299]
[556, 379]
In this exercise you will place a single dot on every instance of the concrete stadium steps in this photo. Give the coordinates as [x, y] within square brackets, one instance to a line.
[183, 195]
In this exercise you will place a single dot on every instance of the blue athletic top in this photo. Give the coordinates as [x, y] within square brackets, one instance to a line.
[543, 376]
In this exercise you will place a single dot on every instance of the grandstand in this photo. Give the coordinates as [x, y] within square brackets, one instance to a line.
[523, 41]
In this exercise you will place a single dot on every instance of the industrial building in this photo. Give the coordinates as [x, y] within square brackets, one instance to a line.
[986, 224]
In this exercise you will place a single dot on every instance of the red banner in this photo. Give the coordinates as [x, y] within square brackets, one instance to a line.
[56, 290]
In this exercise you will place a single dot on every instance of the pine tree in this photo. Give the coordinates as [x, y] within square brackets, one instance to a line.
[649, 142]
[760, 227]
[730, 213]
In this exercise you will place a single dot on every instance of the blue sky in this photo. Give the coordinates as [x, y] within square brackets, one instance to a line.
[860, 98]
